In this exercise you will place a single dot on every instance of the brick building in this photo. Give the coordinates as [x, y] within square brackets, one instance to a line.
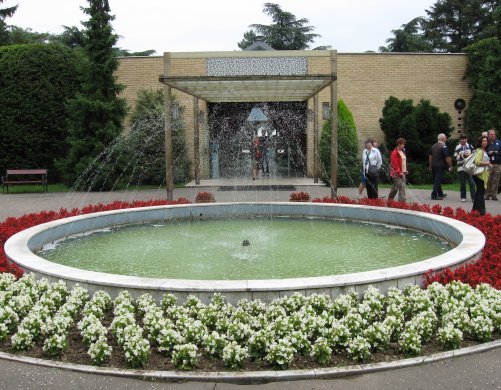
[222, 130]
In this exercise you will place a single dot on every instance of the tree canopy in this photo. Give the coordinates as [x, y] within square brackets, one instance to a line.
[285, 33]
[449, 27]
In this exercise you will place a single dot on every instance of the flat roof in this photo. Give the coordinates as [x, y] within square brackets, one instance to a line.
[252, 88]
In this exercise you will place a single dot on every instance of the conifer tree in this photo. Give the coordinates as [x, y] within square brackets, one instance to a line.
[97, 113]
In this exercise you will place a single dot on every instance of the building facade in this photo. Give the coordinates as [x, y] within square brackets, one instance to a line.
[362, 80]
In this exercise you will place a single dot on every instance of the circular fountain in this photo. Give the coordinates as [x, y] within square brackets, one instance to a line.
[467, 245]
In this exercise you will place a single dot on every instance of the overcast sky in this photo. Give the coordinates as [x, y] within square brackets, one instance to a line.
[218, 25]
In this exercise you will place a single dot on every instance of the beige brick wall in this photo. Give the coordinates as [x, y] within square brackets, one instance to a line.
[365, 81]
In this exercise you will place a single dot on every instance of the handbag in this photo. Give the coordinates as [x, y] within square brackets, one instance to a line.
[373, 170]
[470, 167]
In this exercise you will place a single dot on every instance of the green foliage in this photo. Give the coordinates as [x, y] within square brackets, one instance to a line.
[146, 140]
[419, 125]
[484, 64]
[96, 113]
[348, 156]
[286, 32]
[409, 38]
[454, 24]
[35, 82]
[5, 13]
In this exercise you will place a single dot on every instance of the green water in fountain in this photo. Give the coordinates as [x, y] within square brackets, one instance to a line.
[213, 249]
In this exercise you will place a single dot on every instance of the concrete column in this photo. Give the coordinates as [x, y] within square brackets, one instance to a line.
[196, 139]
[315, 138]
[169, 174]
[334, 143]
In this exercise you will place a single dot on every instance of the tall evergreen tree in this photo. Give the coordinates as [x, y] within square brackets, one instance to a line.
[286, 32]
[96, 114]
[484, 75]
[454, 24]
[5, 13]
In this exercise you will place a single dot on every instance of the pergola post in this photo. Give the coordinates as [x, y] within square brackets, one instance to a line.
[196, 139]
[315, 138]
[169, 176]
[334, 143]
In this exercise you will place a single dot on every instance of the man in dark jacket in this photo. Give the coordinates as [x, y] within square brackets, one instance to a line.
[439, 160]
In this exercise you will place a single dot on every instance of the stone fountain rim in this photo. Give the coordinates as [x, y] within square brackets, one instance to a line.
[19, 249]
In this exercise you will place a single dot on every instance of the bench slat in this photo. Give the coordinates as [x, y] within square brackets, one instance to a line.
[26, 171]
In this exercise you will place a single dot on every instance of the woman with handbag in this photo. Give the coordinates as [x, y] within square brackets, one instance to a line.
[480, 178]
[371, 163]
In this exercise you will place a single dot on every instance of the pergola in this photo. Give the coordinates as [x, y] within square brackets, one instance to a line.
[249, 88]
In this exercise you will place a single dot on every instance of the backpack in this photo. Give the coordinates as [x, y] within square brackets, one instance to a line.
[470, 167]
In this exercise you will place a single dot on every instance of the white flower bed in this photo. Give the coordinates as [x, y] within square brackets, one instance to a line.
[38, 313]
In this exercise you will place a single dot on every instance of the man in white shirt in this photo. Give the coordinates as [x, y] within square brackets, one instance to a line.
[371, 163]
[463, 150]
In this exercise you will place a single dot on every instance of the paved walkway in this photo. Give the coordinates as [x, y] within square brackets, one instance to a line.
[479, 371]
[12, 205]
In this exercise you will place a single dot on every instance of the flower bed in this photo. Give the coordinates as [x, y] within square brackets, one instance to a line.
[49, 321]
[299, 197]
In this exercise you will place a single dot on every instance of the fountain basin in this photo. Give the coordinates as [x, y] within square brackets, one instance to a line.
[469, 243]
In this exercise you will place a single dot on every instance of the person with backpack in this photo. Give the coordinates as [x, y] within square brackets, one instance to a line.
[463, 150]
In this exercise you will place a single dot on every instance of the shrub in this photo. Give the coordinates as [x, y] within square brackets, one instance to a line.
[419, 125]
[36, 81]
[348, 156]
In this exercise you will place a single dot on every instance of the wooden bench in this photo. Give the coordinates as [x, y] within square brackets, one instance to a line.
[25, 176]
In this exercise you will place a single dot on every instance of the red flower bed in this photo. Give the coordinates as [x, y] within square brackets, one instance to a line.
[486, 270]
[13, 225]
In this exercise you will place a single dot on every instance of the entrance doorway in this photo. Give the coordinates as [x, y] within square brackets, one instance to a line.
[280, 126]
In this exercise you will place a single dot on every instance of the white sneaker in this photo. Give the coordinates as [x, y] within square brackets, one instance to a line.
[463, 200]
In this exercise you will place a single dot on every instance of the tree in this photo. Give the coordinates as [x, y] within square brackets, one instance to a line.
[408, 39]
[36, 80]
[5, 13]
[146, 144]
[454, 24]
[286, 33]
[348, 158]
[22, 36]
[419, 125]
[96, 114]
[483, 73]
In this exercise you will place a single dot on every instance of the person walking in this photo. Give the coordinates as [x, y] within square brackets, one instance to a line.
[371, 163]
[439, 160]
[363, 179]
[481, 179]
[494, 153]
[398, 170]
[463, 150]
[256, 156]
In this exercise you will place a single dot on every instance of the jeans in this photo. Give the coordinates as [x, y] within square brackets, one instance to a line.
[438, 174]
[479, 201]
[463, 176]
